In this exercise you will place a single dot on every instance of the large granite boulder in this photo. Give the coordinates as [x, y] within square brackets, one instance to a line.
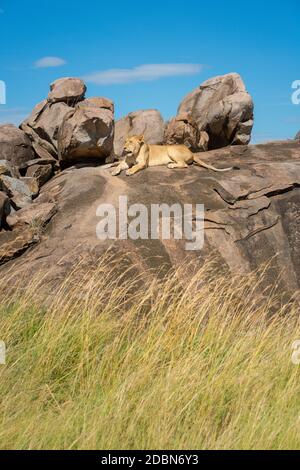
[43, 124]
[68, 90]
[252, 216]
[183, 130]
[15, 146]
[147, 122]
[223, 108]
[84, 127]
[297, 136]
[87, 132]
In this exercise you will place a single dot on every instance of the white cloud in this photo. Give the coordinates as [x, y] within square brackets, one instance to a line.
[46, 62]
[142, 73]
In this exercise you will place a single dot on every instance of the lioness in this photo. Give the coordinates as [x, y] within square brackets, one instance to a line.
[140, 155]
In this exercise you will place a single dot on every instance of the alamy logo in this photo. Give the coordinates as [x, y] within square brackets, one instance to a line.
[296, 353]
[137, 222]
[2, 353]
[2, 92]
[296, 94]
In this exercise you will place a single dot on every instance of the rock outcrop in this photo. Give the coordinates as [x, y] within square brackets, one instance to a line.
[61, 130]
[48, 213]
[147, 122]
[223, 108]
[251, 215]
[297, 136]
[15, 146]
[85, 126]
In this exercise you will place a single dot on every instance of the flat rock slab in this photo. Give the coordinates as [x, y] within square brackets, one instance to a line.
[35, 215]
[252, 215]
[13, 244]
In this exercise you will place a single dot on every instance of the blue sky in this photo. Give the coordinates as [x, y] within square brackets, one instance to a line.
[200, 39]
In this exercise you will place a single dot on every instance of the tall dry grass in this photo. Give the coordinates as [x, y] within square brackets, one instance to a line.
[187, 363]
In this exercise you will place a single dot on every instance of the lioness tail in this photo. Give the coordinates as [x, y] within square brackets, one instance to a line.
[209, 167]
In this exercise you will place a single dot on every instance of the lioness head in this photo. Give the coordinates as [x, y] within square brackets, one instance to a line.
[133, 145]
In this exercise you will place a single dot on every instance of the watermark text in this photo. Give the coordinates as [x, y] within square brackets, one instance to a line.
[2, 353]
[296, 93]
[160, 221]
[2, 92]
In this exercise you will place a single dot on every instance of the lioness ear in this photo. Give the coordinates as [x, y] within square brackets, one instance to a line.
[141, 137]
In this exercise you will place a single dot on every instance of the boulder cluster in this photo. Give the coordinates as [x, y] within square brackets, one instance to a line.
[219, 113]
[68, 128]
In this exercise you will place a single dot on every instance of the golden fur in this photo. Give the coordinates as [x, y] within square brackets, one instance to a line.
[140, 155]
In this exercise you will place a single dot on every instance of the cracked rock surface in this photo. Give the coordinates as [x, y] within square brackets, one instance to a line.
[252, 215]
